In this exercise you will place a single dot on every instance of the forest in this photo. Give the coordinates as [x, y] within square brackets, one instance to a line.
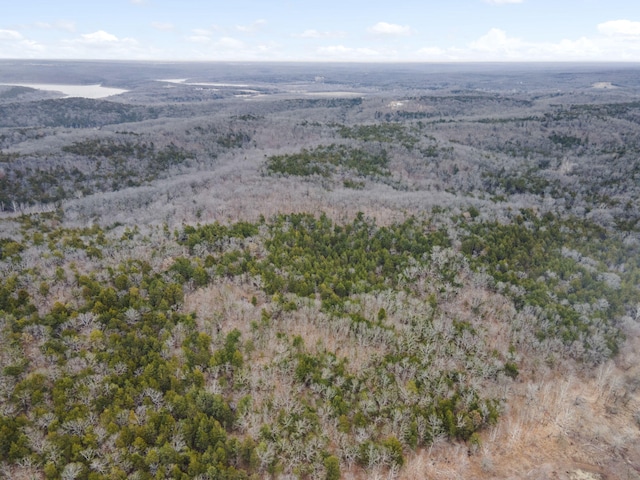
[319, 271]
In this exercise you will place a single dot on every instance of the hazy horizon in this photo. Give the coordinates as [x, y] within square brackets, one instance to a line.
[357, 31]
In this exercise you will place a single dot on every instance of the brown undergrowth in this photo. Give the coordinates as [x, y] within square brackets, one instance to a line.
[569, 425]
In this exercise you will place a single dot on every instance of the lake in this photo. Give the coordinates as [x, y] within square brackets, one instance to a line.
[84, 91]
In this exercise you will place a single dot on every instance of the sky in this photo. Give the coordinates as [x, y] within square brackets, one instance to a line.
[327, 30]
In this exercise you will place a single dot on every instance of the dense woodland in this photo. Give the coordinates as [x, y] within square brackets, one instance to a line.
[320, 272]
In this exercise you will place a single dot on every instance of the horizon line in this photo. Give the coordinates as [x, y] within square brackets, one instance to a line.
[337, 61]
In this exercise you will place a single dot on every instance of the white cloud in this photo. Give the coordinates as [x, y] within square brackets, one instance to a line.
[498, 45]
[252, 28]
[310, 34]
[198, 38]
[138, 2]
[202, 32]
[496, 41]
[200, 35]
[93, 45]
[232, 49]
[340, 52]
[614, 40]
[502, 2]
[64, 25]
[620, 27]
[316, 34]
[101, 45]
[581, 49]
[10, 35]
[224, 43]
[98, 38]
[163, 27]
[390, 29]
[14, 45]
[229, 43]
[432, 52]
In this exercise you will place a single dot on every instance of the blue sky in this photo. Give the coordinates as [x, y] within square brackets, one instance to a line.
[328, 30]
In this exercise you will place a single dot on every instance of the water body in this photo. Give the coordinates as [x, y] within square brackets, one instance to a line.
[84, 91]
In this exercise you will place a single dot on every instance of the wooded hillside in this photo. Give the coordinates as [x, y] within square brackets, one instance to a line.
[410, 274]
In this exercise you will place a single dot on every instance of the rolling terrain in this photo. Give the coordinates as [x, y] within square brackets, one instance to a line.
[320, 271]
